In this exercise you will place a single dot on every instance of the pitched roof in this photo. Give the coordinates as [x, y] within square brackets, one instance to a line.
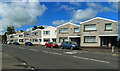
[68, 23]
[98, 18]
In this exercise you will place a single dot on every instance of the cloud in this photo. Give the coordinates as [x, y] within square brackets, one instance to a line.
[84, 14]
[58, 22]
[75, 3]
[94, 5]
[113, 0]
[17, 14]
[66, 7]
[97, 6]
[79, 15]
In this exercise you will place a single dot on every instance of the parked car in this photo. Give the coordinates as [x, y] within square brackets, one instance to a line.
[28, 43]
[70, 45]
[16, 43]
[51, 44]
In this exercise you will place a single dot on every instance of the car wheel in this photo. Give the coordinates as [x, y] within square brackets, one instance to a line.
[71, 48]
[51, 46]
[45, 46]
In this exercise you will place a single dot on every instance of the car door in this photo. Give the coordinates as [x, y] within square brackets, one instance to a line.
[46, 44]
[69, 45]
[49, 44]
[66, 44]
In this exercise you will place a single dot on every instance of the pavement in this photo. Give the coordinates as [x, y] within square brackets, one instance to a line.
[103, 50]
[40, 57]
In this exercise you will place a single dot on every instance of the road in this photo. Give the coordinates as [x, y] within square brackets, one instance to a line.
[56, 58]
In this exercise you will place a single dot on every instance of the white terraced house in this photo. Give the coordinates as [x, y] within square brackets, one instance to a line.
[48, 34]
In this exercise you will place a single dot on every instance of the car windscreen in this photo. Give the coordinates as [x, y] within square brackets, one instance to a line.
[72, 43]
[52, 42]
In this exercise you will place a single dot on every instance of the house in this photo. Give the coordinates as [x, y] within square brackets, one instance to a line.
[24, 37]
[36, 36]
[98, 32]
[68, 32]
[48, 34]
[13, 37]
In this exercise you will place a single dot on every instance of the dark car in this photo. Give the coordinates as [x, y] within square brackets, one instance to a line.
[51, 44]
[16, 43]
[70, 45]
[28, 43]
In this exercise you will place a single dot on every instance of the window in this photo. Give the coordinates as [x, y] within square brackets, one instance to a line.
[20, 40]
[11, 36]
[76, 30]
[16, 40]
[26, 40]
[20, 35]
[46, 39]
[8, 37]
[108, 27]
[89, 39]
[35, 33]
[90, 27]
[54, 40]
[63, 30]
[46, 32]
[15, 36]
[35, 40]
[63, 39]
[26, 35]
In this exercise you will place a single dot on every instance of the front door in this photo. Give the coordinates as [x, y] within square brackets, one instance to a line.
[104, 41]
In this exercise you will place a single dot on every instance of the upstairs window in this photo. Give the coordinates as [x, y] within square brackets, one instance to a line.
[15, 36]
[63, 30]
[46, 32]
[108, 26]
[26, 35]
[35, 33]
[76, 30]
[90, 27]
[20, 35]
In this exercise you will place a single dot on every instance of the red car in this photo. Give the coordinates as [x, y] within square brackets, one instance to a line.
[51, 44]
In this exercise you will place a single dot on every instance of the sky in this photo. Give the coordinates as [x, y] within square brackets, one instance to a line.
[25, 15]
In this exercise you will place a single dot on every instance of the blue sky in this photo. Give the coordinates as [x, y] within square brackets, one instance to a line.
[54, 13]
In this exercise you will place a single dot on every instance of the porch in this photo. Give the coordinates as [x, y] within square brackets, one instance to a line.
[75, 39]
[108, 40]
